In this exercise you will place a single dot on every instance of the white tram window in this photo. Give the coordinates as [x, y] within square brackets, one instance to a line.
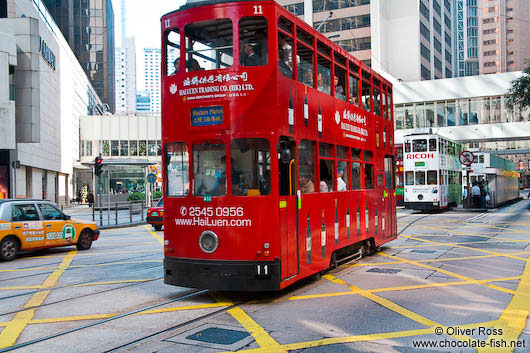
[177, 169]
[409, 178]
[209, 169]
[253, 43]
[432, 145]
[432, 177]
[250, 170]
[209, 45]
[420, 177]
[419, 146]
[172, 60]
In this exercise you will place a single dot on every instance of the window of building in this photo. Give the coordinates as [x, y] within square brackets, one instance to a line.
[115, 148]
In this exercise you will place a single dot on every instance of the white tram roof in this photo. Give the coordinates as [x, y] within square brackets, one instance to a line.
[453, 88]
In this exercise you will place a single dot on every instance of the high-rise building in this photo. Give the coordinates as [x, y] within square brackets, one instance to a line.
[143, 101]
[126, 76]
[465, 38]
[410, 39]
[125, 70]
[152, 58]
[504, 28]
[88, 26]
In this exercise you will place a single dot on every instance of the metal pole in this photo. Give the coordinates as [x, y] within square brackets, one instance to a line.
[108, 197]
[14, 182]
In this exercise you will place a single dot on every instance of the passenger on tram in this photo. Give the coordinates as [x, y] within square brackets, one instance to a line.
[251, 58]
[341, 185]
[176, 64]
[284, 68]
[306, 185]
[339, 90]
[262, 45]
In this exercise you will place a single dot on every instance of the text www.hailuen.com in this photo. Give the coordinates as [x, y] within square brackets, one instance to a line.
[208, 222]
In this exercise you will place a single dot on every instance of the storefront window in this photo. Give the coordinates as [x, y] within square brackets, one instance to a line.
[124, 148]
[115, 148]
[142, 149]
[134, 148]
[151, 148]
[209, 169]
[177, 164]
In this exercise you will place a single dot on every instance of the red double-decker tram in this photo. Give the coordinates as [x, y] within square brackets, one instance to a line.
[278, 149]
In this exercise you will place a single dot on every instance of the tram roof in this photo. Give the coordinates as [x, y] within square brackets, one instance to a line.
[196, 3]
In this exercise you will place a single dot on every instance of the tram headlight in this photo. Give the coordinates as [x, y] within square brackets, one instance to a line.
[208, 241]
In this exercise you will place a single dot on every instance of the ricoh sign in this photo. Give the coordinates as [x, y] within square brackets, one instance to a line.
[46, 53]
[420, 156]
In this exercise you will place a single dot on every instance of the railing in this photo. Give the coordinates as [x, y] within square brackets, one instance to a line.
[119, 213]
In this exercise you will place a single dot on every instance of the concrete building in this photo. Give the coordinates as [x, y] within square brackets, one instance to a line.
[126, 76]
[88, 27]
[409, 39]
[152, 58]
[504, 27]
[44, 92]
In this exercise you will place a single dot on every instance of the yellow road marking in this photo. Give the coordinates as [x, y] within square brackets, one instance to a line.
[435, 260]
[14, 328]
[466, 247]
[156, 236]
[513, 318]
[449, 273]
[393, 306]
[263, 339]
[400, 288]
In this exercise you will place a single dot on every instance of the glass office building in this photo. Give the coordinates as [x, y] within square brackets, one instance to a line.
[88, 26]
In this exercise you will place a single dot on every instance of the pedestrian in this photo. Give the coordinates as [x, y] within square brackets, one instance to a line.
[475, 194]
[79, 196]
[464, 194]
[482, 186]
[90, 199]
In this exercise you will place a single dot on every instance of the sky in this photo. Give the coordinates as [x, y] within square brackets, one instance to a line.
[142, 21]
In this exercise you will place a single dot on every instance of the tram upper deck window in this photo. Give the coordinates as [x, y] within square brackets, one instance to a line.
[339, 81]
[305, 57]
[177, 169]
[285, 55]
[209, 169]
[253, 43]
[377, 97]
[432, 145]
[419, 145]
[407, 146]
[250, 170]
[172, 61]
[366, 96]
[209, 45]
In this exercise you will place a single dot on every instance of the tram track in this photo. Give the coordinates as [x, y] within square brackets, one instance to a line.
[192, 294]
[69, 269]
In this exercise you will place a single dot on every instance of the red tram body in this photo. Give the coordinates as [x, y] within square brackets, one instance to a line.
[251, 146]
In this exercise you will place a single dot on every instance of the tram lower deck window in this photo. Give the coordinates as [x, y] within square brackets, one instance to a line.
[177, 169]
[209, 169]
[250, 171]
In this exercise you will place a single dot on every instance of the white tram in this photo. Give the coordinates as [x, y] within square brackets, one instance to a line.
[433, 173]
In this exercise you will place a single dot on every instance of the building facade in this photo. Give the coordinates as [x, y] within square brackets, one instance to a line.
[504, 27]
[409, 39]
[88, 27]
[472, 110]
[44, 92]
[465, 38]
[152, 58]
[126, 76]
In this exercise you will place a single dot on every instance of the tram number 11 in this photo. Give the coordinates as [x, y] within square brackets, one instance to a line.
[258, 10]
[167, 23]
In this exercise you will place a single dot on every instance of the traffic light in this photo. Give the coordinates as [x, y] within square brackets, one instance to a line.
[98, 164]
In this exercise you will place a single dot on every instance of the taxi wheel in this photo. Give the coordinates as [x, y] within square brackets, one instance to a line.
[157, 227]
[85, 240]
[9, 248]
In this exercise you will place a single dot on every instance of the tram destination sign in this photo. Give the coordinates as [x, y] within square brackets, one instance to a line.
[206, 116]
[466, 157]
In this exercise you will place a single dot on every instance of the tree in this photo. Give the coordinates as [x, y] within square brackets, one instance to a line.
[519, 93]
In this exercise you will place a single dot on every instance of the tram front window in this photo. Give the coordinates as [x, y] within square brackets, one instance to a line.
[419, 146]
[409, 178]
[251, 167]
[209, 169]
[209, 45]
[253, 43]
[420, 177]
[432, 177]
[172, 52]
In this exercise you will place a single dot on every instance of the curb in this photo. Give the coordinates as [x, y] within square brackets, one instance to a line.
[125, 225]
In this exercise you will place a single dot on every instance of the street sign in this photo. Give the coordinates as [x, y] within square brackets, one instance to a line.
[151, 178]
[466, 157]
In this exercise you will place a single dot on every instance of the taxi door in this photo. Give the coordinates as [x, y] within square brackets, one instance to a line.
[27, 225]
[58, 231]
